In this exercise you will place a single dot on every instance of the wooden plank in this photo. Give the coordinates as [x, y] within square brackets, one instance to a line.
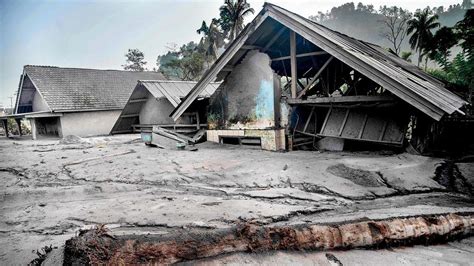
[129, 115]
[326, 120]
[363, 126]
[300, 55]
[383, 130]
[251, 47]
[316, 76]
[368, 140]
[342, 99]
[309, 119]
[138, 100]
[294, 74]
[344, 122]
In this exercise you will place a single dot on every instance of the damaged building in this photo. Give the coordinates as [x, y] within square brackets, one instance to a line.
[288, 82]
[74, 101]
[152, 101]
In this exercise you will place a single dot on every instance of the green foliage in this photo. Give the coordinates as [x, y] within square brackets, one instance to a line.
[439, 47]
[420, 26]
[405, 55]
[13, 127]
[232, 15]
[186, 64]
[135, 60]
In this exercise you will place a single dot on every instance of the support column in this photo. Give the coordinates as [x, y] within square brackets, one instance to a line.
[294, 75]
[33, 128]
[5, 126]
[18, 122]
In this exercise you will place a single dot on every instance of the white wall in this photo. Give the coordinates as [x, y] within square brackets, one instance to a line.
[156, 111]
[85, 124]
[38, 103]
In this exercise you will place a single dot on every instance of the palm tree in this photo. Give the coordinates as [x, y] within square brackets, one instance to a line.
[421, 25]
[232, 15]
[213, 38]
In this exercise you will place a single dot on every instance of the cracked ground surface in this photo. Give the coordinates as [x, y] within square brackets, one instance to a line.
[51, 189]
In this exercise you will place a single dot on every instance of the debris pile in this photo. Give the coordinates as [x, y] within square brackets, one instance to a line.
[98, 247]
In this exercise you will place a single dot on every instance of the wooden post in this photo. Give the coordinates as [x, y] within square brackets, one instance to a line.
[18, 122]
[294, 75]
[5, 125]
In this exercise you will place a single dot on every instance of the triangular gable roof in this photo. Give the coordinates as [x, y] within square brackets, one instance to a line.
[403, 79]
[79, 89]
[172, 90]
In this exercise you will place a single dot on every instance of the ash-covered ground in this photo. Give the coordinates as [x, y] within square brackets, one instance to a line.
[50, 189]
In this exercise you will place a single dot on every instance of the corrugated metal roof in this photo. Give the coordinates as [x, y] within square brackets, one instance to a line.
[85, 89]
[401, 78]
[174, 91]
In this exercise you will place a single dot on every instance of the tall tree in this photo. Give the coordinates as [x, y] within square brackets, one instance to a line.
[135, 60]
[420, 26]
[213, 38]
[395, 25]
[232, 15]
[440, 46]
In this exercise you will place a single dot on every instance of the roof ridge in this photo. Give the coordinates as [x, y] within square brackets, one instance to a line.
[319, 24]
[96, 69]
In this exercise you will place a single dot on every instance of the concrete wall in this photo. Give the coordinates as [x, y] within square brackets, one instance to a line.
[247, 98]
[38, 103]
[88, 123]
[156, 111]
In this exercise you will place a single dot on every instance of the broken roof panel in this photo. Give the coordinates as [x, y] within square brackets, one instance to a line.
[174, 90]
[78, 89]
[401, 78]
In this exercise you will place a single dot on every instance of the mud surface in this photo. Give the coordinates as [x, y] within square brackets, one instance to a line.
[51, 189]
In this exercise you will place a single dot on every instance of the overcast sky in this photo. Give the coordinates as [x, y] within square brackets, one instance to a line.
[97, 34]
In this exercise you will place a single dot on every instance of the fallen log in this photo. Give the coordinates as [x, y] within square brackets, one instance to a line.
[97, 247]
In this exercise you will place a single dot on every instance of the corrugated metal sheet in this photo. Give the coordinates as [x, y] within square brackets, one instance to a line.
[174, 91]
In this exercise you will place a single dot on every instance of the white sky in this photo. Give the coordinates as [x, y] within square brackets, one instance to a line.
[97, 34]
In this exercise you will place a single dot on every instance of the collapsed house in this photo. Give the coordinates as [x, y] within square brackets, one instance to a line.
[152, 101]
[289, 82]
[73, 101]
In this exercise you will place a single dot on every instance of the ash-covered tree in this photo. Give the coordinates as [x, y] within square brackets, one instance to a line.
[135, 60]
[395, 25]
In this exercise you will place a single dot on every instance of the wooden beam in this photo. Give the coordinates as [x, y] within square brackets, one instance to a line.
[300, 55]
[342, 99]
[275, 37]
[138, 100]
[313, 81]
[130, 115]
[250, 47]
[294, 74]
[228, 68]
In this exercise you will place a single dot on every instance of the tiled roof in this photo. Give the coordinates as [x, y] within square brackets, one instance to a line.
[85, 89]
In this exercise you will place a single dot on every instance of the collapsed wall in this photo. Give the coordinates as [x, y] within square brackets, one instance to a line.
[247, 104]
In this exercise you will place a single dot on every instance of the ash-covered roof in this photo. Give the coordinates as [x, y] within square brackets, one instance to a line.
[404, 80]
[79, 89]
